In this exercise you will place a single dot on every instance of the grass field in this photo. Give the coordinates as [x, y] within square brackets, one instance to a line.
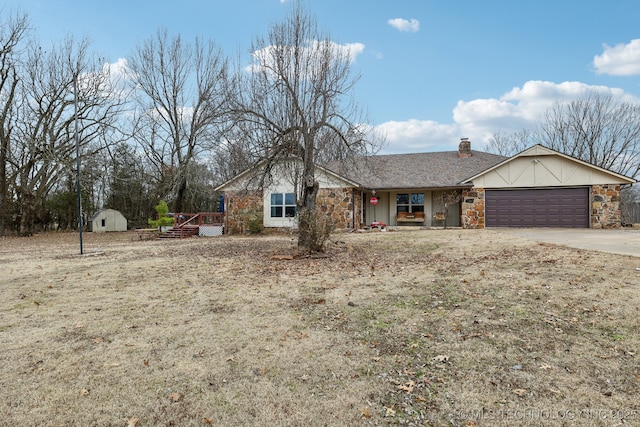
[429, 327]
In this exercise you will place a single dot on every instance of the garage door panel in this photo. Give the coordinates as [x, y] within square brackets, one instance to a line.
[557, 207]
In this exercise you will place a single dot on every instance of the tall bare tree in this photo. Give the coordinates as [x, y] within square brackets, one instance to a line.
[13, 33]
[597, 129]
[295, 97]
[509, 144]
[181, 104]
[52, 83]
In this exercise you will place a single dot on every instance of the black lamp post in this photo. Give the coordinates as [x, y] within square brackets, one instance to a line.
[75, 119]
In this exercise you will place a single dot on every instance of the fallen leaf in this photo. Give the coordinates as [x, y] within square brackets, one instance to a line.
[408, 386]
[441, 358]
[260, 372]
[84, 392]
[175, 397]
[365, 412]
[146, 362]
[208, 421]
[420, 398]
[519, 392]
[131, 422]
[390, 412]
[98, 340]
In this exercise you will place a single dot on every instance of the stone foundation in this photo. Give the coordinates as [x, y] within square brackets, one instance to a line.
[605, 206]
[472, 208]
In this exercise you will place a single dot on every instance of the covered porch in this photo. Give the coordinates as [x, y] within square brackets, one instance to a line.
[427, 207]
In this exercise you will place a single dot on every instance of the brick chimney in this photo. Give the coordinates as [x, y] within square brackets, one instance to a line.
[464, 149]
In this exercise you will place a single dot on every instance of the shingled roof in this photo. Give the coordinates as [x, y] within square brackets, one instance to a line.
[420, 170]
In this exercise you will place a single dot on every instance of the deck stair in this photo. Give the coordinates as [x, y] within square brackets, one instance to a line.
[195, 224]
[181, 232]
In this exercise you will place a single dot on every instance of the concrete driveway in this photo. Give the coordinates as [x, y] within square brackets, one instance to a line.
[623, 241]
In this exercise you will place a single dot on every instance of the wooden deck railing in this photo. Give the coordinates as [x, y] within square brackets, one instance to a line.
[199, 219]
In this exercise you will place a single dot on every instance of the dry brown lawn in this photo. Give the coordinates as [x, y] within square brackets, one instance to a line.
[430, 327]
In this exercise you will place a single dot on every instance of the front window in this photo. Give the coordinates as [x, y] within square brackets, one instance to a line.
[410, 202]
[283, 205]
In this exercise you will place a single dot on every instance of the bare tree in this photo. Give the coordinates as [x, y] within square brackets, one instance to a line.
[597, 129]
[44, 144]
[292, 101]
[232, 157]
[447, 199]
[630, 205]
[181, 106]
[509, 144]
[13, 34]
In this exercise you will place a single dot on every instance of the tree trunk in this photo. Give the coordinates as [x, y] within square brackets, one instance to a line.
[4, 142]
[307, 226]
[179, 205]
[27, 218]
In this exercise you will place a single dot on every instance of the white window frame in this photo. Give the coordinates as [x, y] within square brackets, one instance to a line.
[288, 204]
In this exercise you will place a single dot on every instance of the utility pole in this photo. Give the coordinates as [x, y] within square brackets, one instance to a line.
[75, 119]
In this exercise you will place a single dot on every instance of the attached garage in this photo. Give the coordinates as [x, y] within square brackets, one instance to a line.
[540, 207]
[541, 187]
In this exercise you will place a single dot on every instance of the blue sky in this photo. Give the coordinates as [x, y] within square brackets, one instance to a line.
[431, 71]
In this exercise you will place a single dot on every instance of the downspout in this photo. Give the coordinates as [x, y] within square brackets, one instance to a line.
[362, 207]
[353, 208]
[226, 213]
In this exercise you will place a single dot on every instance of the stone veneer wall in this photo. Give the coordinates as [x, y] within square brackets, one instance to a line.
[605, 206]
[340, 204]
[472, 208]
[237, 202]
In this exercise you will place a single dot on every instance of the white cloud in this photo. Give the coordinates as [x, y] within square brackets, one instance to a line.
[414, 136]
[267, 54]
[352, 49]
[479, 119]
[408, 25]
[619, 60]
[118, 68]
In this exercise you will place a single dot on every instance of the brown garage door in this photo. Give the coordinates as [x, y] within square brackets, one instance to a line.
[544, 207]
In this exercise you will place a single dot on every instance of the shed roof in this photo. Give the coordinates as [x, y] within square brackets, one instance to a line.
[105, 211]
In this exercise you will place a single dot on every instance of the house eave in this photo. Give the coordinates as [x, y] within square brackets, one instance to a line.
[527, 153]
[421, 187]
